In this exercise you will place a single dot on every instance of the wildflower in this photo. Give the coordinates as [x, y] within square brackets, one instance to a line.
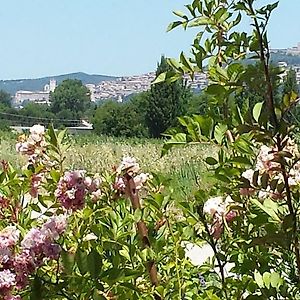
[71, 190]
[7, 281]
[214, 205]
[8, 239]
[219, 208]
[140, 179]
[129, 165]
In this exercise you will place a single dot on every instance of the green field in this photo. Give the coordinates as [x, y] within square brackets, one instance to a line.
[183, 165]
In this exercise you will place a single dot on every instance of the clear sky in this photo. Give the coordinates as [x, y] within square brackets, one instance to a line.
[112, 37]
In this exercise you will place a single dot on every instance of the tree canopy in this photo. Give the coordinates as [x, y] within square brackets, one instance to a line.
[71, 99]
[166, 102]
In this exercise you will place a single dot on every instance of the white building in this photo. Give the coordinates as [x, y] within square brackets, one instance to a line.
[40, 97]
[294, 50]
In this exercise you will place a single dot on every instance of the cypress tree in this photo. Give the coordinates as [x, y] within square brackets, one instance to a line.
[166, 101]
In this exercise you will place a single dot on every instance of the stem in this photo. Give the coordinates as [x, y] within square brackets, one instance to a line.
[270, 103]
[213, 245]
[263, 60]
[176, 261]
[142, 230]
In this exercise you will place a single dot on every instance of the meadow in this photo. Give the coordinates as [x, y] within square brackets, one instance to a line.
[184, 166]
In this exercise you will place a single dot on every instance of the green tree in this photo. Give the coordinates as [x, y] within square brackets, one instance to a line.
[166, 102]
[122, 119]
[5, 99]
[71, 95]
[290, 83]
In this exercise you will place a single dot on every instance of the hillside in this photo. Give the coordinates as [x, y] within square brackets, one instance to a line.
[11, 86]
[289, 59]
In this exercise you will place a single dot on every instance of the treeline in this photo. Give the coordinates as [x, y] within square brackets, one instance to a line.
[151, 113]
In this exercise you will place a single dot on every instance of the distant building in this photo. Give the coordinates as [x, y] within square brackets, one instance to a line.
[294, 50]
[40, 97]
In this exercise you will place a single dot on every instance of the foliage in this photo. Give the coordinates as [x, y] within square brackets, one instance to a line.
[121, 119]
[5, 99]
[250, 217]
[71, 99]
[167, 100]
[129, 235]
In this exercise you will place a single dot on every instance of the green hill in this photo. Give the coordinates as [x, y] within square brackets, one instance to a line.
[11, 86]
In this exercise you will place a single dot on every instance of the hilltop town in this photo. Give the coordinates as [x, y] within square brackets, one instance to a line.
[120, 88]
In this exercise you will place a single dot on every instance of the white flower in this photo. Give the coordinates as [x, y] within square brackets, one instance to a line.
[129, 164]
[197, 254]
[7, 279]
[140, 179]
[214, 205]
[37, 130]
[88, 181]
[90, 237]
[248, 174]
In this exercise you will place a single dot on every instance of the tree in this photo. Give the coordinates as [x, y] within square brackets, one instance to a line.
[5, 99]
[290, 83]
[72, 96]
[122, 119]
[166, 102]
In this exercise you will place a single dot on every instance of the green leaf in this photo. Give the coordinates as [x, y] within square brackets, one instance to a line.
[81, 259]
[68, 260]
[258, 279]
[219, 133]
[257, 111]
[276, 280]
[267, 279]
[94, 263]
[160, 78]
[267, 209]
[211, 161]
[173, 25]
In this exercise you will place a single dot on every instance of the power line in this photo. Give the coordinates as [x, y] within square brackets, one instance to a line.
[38, 118]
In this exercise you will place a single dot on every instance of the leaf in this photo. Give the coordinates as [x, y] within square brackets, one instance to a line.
[36, 291]
[216, 90]
[276, 280]
[258, 279]
[257, 111]
[219, 133]
[94, 263]
[81, 261]
[173, 25]
[268, 210]
[160, 78]
[267, 279]
[68, 261]
[211, 161]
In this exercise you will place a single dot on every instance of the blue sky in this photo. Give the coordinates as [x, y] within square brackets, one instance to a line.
[113, 37]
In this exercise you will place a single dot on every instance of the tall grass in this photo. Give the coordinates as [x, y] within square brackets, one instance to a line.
[184, 166]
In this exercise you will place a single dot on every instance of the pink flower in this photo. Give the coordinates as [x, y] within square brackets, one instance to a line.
[7, 281]
[71, 190]
[129, 165]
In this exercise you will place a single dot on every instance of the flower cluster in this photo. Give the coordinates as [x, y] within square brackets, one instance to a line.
[129, 166]
[34, 145]
[267, 175]
[219, 209]
[73, 187]
[37, 245]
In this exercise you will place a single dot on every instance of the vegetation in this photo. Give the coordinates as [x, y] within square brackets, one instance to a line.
[166, 102]
[70, 100]
[121, 233]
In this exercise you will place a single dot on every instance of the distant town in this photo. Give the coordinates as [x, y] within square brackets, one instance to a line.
[122, 87]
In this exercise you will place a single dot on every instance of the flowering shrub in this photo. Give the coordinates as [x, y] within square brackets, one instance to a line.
[70, 234]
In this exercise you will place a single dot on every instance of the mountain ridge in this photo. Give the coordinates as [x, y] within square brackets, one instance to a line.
[11, 86]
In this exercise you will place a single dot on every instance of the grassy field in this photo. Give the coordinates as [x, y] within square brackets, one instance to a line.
[184, 165]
